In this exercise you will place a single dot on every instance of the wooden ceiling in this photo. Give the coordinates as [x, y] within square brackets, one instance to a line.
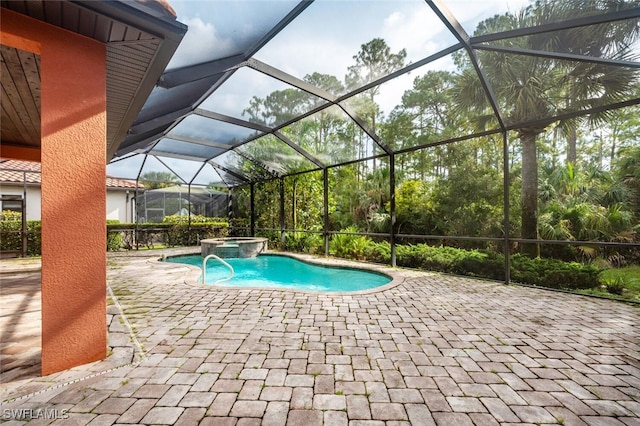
[139, 39]
[20, 119]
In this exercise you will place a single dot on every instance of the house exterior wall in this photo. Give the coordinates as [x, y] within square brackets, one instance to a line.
[33, 198]
[73, 156]
[119, 205]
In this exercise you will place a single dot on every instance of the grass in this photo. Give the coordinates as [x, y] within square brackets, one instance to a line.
[628, 275]
[625, 280]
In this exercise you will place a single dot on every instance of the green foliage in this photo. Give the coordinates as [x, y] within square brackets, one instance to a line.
[488, 264]
[184, 220]
[627, 277]
[114, 239]
[451, 260]
[348, 245]
[304, 242]
[171, 234]
[272, 236]
[180, 234]
[303, 201]
[617, 286]
[11, 237]
[158, 179]
[239, 227]
[554, 273]
[34, 238]
[10, 215]
[379, 252]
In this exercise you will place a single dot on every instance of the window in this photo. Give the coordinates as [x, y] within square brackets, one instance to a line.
[12, 202]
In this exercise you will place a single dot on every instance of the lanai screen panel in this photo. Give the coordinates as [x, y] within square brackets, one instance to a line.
[127, 167]
[277, 156]
[241, 166]
[172, 147]
[212, 132]
[346, 81]
[332, 137]
[165, 100]
[321, 43]
[214, 35]
[253, 96]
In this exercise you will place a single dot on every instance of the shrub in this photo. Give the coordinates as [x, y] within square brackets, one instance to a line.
[34, 238]
[114, 238]
[184, 220]
[379, 252]
[304, 242]
[272, 236]
[11, 237]
[616, 286]
[10, 215]
[172, 234]
[554, 273]
[183, 235]
[349, 246]
[488, 264]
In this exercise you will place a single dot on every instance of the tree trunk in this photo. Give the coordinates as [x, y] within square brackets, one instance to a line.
[571, 146]
[529, 193]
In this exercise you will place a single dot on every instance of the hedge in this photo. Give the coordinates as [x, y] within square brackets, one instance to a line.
[11, 238]
[542, 272]
[478, 263]
[170, 234]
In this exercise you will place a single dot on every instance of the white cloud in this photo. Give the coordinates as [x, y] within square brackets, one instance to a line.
[201, 43]
[416, 29]
[470, 13]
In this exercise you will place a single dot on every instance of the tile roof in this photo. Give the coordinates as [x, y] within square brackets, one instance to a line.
[12, 171]
[122, 183]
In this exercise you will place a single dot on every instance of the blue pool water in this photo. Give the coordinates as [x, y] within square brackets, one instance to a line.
[285, 272]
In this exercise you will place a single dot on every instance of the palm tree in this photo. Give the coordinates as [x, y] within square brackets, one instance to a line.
[533, 90]
[155, 180]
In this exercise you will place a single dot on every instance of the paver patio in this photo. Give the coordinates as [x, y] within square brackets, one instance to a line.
[431, 350]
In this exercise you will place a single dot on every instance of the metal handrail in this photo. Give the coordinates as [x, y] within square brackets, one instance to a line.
[204, 269]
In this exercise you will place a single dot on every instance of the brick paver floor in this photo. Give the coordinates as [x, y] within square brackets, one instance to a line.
[431, 350]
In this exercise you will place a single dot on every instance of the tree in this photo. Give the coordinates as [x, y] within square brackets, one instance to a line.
[533, 90]
[373, 61]
[155, 180]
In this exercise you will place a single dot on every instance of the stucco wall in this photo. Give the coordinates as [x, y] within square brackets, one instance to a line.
[73, 155]
[119, 205]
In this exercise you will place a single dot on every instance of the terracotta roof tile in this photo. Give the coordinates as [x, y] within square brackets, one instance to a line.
[122, 183]
[12, 171]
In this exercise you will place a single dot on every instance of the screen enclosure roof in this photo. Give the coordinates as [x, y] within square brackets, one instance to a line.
[263, 89]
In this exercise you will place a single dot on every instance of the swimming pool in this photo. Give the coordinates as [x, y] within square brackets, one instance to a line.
[276, 271]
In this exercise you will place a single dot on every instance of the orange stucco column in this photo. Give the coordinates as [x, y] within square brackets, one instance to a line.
[73, 120]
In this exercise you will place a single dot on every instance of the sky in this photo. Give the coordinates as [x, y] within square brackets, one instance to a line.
[323, 38]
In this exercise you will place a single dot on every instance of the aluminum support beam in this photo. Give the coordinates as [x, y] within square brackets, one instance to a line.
[252, 208]
[325, 193]
[506, 205]
[392, 208]
[282, 227]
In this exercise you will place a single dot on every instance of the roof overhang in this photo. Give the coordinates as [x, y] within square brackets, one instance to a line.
[141, 38]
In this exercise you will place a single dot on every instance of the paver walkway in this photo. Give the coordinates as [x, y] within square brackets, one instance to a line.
[432, 350]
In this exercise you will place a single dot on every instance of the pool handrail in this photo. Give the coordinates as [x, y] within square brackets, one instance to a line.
[204, 269]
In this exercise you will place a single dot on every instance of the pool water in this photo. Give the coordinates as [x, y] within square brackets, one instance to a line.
[285, 272]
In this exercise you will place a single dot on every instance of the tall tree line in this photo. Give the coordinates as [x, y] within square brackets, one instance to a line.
[571, 178]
